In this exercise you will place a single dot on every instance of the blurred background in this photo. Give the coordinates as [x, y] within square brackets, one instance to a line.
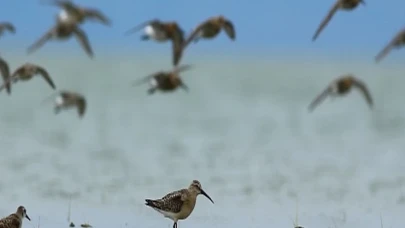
[243, 130]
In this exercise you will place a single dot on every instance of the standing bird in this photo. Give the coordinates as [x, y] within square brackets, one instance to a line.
[178, 205]
[346, 5]
[63, 31]
[6, 26]
[26, 72]
[342, 86]
[210, 29]
[68, 99]
[77, 14]
[397, 42]
[14, 220]
[5, 74]
[161, 32]
[164, 80]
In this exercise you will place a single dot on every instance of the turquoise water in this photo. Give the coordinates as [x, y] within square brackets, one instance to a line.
[243, 130]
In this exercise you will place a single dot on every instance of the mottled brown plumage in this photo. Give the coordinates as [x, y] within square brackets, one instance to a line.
[346, 5]
[26, 72]
[164, 81]
[63, 31]
[178, 205]
[161, 32]
[397, 41]
[5, 74]
[342, 86]
[210, 29]
[14, 220]
[77, 14]
[6, 26]
[68, 99]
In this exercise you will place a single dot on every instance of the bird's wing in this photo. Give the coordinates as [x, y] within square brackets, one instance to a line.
[177, 47]
[44, 73]
[97, 15]
[83, 41]
[81, 105]
[5, 74]
[319, 98]
[229, 29]
[394, 41]
[140, 26]
[326, 20]
[41, 41]
[364, 90]
[8, 26]
[193, 34]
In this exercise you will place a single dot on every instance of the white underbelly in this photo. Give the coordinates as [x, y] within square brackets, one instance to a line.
[155, 34]
[59, 101]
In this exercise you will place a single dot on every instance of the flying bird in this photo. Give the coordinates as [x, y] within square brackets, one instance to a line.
[342, 86]
[160, 31]
[398, 41]
[77, 14]
[26, 72]
[210, 28]
[68, 99]
[63, 31]
[164, 81]
[344, 5]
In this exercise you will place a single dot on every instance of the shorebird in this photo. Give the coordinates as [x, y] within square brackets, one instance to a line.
[164, 81]
[345, 5]
[63, 31]
[161, 32]
[6, 26]
[5, 74]
[211, 28]
[67, 99]
[397, 42]
[178, 205]
[14, 220]
[342, 86]
[76, 14]
[26, 72]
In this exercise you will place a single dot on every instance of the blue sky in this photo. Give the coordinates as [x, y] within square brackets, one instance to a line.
[262, 25]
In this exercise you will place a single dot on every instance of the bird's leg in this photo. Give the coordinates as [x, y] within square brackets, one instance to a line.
[145, 37]
[57, 110]
[175, 225]
[151, 90]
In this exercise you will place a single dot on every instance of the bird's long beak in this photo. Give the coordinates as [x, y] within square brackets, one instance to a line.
[27, 217]
[206, 195]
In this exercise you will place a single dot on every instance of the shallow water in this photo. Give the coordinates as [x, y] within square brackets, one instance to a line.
[243, 130]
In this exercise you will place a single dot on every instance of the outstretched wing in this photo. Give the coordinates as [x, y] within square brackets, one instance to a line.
[394, 42]
[177, 46]
[83, 41]
[153, 22]
[7, 26]
[364, 90]
[97, 15]
[318, 99]
[81, 105]
[194, 34]
[5, 74]
[44, 73]
[229, 29]
[326, 20]
[41, 41]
